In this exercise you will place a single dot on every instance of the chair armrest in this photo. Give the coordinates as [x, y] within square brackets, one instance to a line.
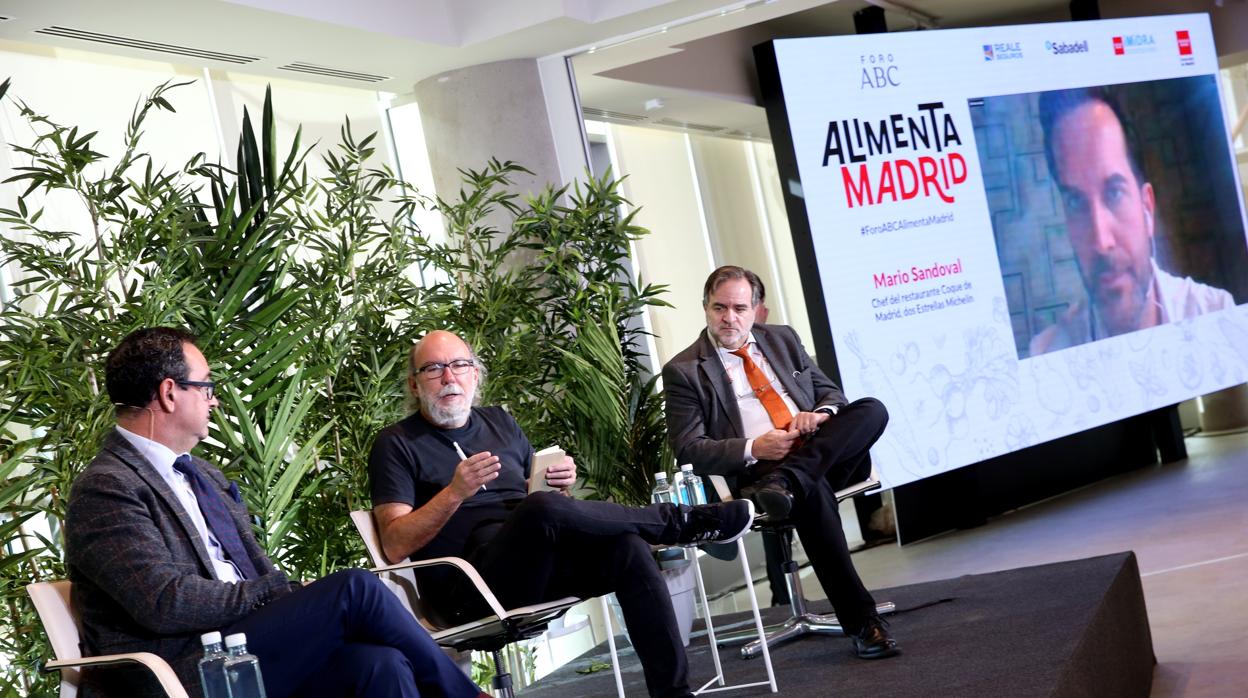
[164, 673]
[544, 607]
[857, 489]
[871, 484]
[459, 563]
[721, 487]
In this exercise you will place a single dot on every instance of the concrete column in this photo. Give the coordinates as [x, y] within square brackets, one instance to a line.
[523, 110]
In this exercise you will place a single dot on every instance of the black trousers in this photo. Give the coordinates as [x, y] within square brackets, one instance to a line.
[552, 546]
[835, 456]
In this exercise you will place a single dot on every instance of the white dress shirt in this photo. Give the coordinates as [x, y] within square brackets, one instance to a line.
[1177, 298]
[162, 459]
[755, 421]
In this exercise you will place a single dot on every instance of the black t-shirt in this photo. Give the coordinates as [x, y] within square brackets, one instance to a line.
[413, 460]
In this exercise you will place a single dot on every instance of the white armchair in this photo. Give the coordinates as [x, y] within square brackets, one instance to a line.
[59, 620]
[491, 632]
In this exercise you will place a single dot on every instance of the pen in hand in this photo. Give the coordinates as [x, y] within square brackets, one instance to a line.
[460, 452]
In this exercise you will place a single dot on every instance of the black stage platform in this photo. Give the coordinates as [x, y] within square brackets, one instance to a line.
[1074, 628]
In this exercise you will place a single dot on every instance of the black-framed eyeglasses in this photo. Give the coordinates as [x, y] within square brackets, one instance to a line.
[434, 370]
[208, 387]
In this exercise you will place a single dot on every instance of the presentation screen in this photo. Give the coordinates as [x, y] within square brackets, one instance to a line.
[1019, 233]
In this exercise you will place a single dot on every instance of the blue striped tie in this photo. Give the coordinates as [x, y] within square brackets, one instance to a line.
[217, 516]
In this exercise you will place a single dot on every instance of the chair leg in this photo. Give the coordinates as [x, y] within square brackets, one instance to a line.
[805, 624]
[502, 680]
[800, 622]
[797, 608]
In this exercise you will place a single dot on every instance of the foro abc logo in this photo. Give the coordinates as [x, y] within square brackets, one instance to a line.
[878, 71]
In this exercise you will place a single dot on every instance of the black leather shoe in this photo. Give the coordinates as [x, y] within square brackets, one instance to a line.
[715, 523]
[873, 641]
[774, 496]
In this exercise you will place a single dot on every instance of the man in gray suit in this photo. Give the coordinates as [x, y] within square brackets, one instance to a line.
[160, 549]
[746, 401]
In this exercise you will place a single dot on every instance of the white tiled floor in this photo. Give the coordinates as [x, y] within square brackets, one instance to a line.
[1188, 524]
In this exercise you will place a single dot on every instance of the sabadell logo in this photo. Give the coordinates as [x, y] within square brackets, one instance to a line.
[1059, 48]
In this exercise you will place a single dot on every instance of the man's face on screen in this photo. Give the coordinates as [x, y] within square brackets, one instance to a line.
[730, 313]
[1109, 216]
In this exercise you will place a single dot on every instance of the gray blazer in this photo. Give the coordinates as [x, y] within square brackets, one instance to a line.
[703, 421]
[142, 579]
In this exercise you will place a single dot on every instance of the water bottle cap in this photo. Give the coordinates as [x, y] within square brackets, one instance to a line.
[660, 476]
[235, 640]
[687, 467]
[212, 638]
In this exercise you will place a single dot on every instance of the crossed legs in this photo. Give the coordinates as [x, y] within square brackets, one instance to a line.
[553, 546]
[348, 635]
[835, 456]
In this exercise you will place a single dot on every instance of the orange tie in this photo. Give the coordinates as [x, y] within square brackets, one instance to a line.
[772, 402]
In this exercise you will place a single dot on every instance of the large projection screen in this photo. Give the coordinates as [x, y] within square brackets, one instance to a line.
[1019, 233]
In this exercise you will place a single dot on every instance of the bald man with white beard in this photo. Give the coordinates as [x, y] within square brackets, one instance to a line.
[451, 480]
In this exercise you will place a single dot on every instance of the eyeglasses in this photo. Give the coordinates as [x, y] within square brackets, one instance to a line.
[208, 387]
[434, 370]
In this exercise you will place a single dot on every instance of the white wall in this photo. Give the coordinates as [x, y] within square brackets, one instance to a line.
[98, 92]
[707, 201]
[662, 182]
[321, 110]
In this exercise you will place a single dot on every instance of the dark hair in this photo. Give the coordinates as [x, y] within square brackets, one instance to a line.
[133, 371]
[733, 273]
[1057, 104]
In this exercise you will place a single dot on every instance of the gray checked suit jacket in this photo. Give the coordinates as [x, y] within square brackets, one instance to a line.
[142, 579]
[703, 420]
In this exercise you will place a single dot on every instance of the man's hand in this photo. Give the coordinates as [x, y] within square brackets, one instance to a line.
[808, 422]
[562, 475]
[473, 472]
[776, 444]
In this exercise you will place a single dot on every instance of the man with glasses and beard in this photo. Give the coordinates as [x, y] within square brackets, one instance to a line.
[1111, 218]
[160, 549]
[450, 480]
[747, 402]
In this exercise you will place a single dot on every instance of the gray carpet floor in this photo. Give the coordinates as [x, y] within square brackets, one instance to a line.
[1010, 633]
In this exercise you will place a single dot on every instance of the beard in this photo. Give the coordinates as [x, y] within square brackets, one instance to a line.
[1124, 310]
[446, 417]
[729, 338]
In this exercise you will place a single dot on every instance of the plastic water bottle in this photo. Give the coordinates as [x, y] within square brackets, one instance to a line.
[679, 495]
[662, 491]
[212, 667]
[691, 484]
[242, 670]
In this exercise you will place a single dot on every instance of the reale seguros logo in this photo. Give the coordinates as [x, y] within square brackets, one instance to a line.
[1003, 51]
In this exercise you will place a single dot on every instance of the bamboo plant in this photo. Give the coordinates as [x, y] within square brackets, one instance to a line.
[301, 283]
